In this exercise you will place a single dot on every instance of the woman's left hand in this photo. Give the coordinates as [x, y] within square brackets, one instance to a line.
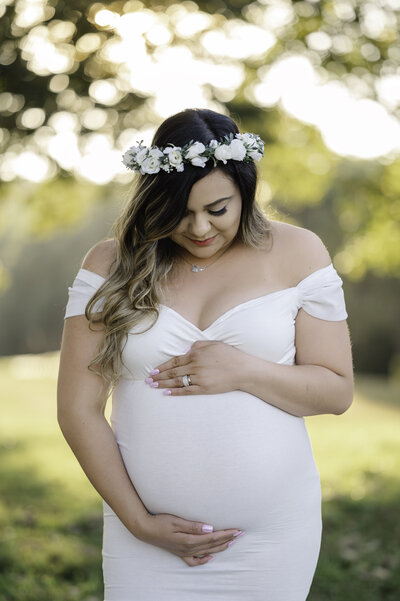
[213, 368]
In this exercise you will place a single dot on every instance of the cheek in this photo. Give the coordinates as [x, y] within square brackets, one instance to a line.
[235, 222]
[178, 231]
[236, 213]
[229, 230]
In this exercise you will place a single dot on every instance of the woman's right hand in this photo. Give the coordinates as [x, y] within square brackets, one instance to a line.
[184, 538]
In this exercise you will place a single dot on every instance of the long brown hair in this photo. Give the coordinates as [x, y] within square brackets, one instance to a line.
[145, 253]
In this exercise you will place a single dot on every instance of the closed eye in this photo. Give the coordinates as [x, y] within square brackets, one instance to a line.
[220, 212]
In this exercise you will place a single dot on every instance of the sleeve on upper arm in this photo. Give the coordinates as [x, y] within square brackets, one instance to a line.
[321, 295]
[84, 286]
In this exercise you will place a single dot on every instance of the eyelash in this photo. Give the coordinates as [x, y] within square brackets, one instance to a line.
[220, 212]
[214, 213]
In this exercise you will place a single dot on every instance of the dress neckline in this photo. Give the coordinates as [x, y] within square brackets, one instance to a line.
[237, 307]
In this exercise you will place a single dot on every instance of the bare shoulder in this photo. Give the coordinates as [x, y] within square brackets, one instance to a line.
[101, 257]
[299, 250]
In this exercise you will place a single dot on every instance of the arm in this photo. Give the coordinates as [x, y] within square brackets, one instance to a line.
[81, 399]
[320, 382]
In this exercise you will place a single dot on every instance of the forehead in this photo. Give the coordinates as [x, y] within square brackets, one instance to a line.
[210, 188]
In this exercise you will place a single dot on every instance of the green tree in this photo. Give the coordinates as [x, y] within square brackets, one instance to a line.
[71, 70]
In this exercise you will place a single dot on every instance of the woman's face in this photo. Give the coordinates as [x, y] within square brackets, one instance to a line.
[212, 215]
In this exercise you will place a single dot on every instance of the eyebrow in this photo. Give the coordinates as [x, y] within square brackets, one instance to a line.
[215, 202]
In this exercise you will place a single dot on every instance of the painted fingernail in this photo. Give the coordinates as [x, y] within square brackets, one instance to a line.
[211, 558]
[187, 350]
[154, 372]
[231, 543]
[239, 534]
[154, 384]
[207, 528]
[149, 380]
[166, 392]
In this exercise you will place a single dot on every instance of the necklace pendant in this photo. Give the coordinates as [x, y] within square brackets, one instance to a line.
[196, 268]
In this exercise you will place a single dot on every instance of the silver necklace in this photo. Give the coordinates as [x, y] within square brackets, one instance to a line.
[197, 268]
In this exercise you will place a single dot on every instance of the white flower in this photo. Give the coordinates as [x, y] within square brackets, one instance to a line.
[250, 140]
[255, 155]
[240, 147]
[175, 157]
[247, 139]
[133, 150]
[155, 153]
[238, 150]
[199, 161]
[194, 150]
[150, 165]
[222, 153]
[129, 157]
[141, 155]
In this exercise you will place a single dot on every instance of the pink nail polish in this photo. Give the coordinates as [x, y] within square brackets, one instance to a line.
[154, 384]
[149, 380]
[211, 559]
[167, 392]
[207, 528]
[187, 350]
[231, 543]
[154, 372]
[239, 534]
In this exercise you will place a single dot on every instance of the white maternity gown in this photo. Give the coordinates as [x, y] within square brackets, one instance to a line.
[230, 460]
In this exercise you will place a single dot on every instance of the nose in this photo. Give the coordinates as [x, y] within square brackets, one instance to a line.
[199, 226]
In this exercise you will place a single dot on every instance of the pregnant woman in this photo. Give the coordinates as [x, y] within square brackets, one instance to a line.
[217, 331]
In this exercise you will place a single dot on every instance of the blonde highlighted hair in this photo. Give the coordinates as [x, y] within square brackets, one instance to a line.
[144, 252]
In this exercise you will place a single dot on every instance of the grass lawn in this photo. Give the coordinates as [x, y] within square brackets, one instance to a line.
[50, 517]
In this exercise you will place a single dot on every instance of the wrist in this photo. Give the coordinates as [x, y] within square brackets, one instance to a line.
[143, 526]
[246, 372]
[133, 517]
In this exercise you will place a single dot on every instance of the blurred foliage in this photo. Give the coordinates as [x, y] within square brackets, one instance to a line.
[46, 227]
[32, 306]
[368, 207]
[355, 42]
[368, 46]
[41, 209]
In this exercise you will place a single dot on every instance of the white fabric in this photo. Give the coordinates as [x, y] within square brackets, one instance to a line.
[84, 286]
[230, 460]
[320, 294]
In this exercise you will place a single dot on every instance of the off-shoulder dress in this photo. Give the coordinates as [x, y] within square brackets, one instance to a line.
[230, 460]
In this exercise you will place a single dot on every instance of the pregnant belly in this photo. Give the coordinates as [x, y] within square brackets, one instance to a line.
[229, 459]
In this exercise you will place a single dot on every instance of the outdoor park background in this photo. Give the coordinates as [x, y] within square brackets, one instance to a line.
[80, 82]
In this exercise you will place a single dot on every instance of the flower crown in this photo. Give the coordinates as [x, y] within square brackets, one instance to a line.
[151, 159]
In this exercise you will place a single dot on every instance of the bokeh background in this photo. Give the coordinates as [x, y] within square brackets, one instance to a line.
[80, 82]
